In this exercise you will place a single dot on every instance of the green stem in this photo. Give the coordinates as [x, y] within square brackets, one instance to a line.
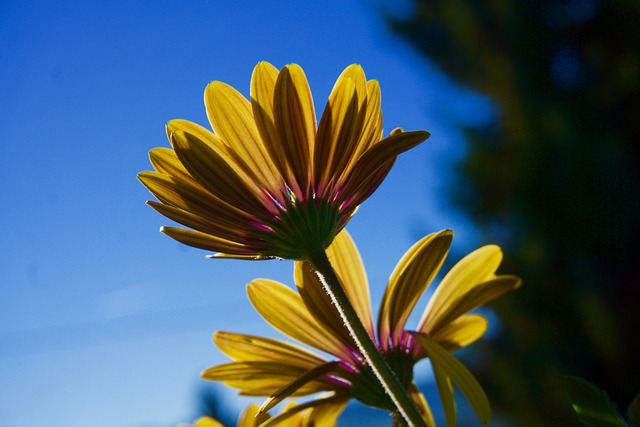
[392, 386]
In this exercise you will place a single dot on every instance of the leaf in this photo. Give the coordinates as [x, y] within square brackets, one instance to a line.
[593, 406]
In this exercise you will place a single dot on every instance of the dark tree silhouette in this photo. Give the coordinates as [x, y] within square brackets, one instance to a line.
[554, 180]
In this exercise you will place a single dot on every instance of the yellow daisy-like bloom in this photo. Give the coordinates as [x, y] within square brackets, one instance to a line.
[267, 367]
[292, 416]
[269, 181]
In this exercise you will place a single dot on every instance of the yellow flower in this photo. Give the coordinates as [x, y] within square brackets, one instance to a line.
[292, 416]
[267, 367]
[269, 181]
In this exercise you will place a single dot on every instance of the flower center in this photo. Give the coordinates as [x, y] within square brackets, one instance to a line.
[302, 228]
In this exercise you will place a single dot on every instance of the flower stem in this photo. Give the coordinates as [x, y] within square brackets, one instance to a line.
[392, 386]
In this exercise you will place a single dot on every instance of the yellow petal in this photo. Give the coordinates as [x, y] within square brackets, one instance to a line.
[459, 374]
[375, 163]
[284, 310]
[200, 132]
[252, 257]
[326, 415]
[372, 132]
[251, 418]
[206, 241]
[319, 303]
[372, 128]
[419, 400]
[295, 121]
[355, 73]
[207, 422]
[165, 160]
[346, 261]
[244, 348]
[217, 172]
[341, 125]
[475, 297]
[407, 283]
[204, 135]
[237, 233]
[289, 390]
[232, 120]
[461, 332]
[477, 267]
[195, 200]
[262, 378]
[263, 83]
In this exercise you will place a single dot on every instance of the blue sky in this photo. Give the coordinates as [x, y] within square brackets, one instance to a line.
[103, 320]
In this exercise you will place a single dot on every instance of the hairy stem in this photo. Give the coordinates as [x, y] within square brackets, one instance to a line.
[392, 386]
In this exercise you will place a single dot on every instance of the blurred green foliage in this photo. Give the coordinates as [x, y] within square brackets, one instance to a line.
[633, 413]
[554, 180]
[593, 406]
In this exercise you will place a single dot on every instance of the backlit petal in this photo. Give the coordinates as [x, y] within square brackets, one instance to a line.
[263, 84]
[319, 303]
[475, 297]
[200, 132]
[345, 259]
[231, 117]
[216, 171]
[325, 415]
[251, 418]
[262, 378]
[462, 332]
[207, 225]
[419, 400]
[293, 386]
[407, 283]
[371, 132]
[364, 177]
[284, 310]
[341, 125]
[195, 199]
[244, 348]
[252, 257]
[165, 160]
[295, 120]
[477, 267]
[205, 241]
